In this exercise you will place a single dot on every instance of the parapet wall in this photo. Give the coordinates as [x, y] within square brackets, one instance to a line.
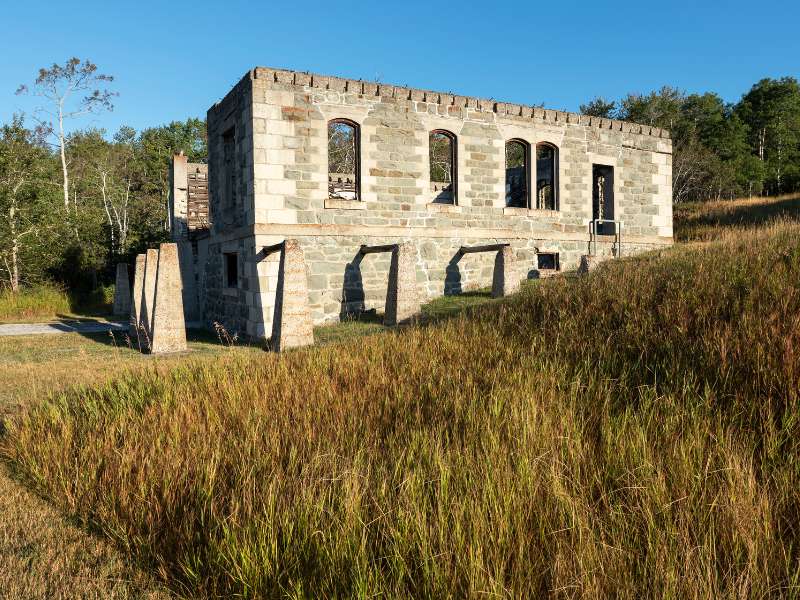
[375, 89]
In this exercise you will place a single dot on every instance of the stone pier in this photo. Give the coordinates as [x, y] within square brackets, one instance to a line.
[136, 297]
[168, 327]
[148, 296]
[122, 291]
[402, 297]
[505, 279]
[291, 325]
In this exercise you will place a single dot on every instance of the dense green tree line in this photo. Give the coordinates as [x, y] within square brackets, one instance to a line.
[118, 189]
[74, 204]
[722, 150]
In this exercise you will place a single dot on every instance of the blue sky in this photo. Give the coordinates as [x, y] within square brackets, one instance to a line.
[174, 59]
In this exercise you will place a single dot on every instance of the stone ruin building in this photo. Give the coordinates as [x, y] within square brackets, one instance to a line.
[326, 188]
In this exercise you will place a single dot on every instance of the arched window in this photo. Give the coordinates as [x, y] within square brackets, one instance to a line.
[546, 177]
[517, 174]
[344, 175]
[443, 166]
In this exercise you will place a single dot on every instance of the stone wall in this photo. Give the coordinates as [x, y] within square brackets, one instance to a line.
[188, 198]
[273, 184]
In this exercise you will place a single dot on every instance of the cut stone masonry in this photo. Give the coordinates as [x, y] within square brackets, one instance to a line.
[273, 178]
[168, 327]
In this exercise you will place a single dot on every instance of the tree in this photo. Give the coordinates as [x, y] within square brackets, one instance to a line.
[657, 109]
[71, 90]
[24, 201]
[599, 107]
[771, 109]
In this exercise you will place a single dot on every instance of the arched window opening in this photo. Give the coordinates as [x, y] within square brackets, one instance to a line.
[443, 166]
[546, 177]
[517, 174]
[343, 162]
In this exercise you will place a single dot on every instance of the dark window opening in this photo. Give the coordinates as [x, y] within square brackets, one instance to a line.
[443, 166]
[232, 270]
[229, 166]
[343, 160]
[547, 261]
[603, 198]
[546, 177]
[517, 174]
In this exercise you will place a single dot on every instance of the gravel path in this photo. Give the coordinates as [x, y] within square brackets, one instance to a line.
[61, 327]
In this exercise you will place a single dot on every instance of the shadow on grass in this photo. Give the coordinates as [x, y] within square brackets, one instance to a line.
[196, 339]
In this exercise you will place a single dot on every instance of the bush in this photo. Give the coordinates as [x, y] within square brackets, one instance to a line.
[50, 301]
[45, 300]
[632, 433]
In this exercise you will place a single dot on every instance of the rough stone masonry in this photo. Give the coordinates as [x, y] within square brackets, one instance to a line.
[337, 164]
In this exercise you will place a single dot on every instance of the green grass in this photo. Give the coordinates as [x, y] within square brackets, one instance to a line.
[48, 302]
[33, 303]
[632, 433]
[371, 323]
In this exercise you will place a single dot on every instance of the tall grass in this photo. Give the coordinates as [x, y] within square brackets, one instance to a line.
[33, 302]
[633, 433]
[704, 221]
[50, 301]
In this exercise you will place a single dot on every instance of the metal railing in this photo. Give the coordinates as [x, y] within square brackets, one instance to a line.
[593, 233]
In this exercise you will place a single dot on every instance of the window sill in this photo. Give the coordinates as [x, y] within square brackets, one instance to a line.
[443, 208]
[529, 212]
[345, 204]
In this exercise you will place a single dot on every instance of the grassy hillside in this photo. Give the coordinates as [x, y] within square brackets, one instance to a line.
[631, 433]
[704, 221]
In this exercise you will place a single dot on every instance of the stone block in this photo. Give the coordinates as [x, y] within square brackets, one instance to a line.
[402, 298]
[168, 325]
[505, 279]
[291, 324]
[122, 291]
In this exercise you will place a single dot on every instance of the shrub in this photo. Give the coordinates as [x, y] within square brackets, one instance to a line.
[44, 300]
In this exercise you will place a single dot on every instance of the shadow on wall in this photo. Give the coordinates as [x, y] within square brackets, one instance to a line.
[352, 290]
[452, 276]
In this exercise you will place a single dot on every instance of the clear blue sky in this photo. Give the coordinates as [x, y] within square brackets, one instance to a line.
[173, 59]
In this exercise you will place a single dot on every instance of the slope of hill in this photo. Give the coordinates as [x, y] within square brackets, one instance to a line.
[634, 432]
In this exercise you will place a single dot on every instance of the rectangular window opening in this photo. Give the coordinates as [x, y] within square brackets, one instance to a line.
[548, 262]
[231, 270]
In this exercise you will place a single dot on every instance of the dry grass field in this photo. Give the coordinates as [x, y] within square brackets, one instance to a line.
[572, 441]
